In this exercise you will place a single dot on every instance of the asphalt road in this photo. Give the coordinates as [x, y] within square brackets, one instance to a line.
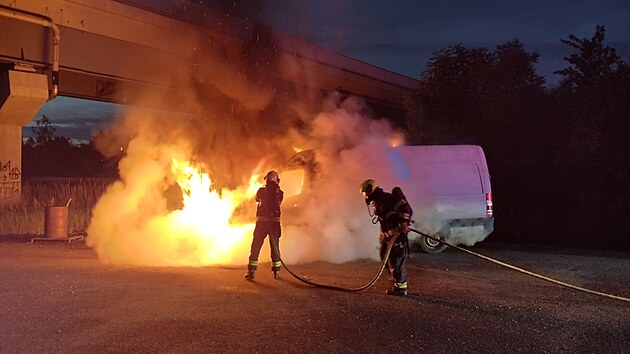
[58, 298]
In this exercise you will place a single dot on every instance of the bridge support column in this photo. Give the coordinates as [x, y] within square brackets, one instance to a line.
[22, 95]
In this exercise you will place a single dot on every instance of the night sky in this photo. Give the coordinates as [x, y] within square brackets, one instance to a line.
[402, 35]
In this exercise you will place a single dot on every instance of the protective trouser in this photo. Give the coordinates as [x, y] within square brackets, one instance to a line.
[264, 228]
[397, 259]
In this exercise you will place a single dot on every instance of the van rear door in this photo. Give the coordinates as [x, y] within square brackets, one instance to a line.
[453, 185]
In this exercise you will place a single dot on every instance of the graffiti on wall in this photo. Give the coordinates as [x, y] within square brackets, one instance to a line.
[10, 180]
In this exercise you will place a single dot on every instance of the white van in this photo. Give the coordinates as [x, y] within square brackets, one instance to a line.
[451, 184]
[448, 186]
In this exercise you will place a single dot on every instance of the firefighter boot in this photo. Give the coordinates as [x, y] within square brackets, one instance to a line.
[276, 274]
[250, 274]
[396, 291]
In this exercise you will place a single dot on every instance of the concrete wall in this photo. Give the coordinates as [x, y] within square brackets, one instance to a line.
[22, 95]
[10, 162]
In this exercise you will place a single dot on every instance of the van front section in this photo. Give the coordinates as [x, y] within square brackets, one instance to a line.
[294, 181]
[296, 177]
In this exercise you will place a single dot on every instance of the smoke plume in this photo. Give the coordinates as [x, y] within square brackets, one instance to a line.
[225, 124]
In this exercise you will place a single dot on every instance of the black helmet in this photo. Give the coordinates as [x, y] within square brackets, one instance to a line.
[272, 176]
[367, 187]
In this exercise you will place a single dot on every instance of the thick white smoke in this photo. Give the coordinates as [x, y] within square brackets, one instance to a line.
[348, 147]
[236, 127]
[335, 225]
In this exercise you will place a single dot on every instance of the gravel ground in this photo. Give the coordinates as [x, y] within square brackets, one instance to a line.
[56, 297]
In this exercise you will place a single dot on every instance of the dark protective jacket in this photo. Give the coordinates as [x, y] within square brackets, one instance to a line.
[269, 199]
[391, 210]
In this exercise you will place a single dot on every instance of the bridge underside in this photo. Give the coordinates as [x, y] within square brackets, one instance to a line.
[175, 55]
[112, 50]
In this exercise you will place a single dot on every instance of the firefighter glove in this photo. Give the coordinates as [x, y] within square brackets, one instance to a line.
[404, 227]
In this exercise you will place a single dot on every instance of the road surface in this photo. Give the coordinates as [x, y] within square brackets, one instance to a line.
[58, 298]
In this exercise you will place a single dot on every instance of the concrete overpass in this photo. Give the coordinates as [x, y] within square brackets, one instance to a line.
[122, 51]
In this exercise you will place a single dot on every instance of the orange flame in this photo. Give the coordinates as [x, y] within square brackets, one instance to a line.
[396, 140]
[131, 223]
[207, 216]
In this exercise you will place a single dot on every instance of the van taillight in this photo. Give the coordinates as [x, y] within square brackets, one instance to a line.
[489, 207]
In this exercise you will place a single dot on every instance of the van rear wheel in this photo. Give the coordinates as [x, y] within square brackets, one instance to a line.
[431, 246]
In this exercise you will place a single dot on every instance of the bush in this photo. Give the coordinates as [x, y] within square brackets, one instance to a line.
[26, 217]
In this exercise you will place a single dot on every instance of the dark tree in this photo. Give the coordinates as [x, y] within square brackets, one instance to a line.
[559, 158]
[593, 99]
[494, 99]
[445, 106]
[593, 103]
[593, 63]
[472, 95]
[43, 132]
[46, 155]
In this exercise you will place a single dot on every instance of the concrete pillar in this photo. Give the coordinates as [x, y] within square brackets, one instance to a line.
[22, 95]
[10, 162]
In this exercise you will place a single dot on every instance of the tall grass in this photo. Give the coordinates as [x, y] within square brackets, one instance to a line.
[27, 215]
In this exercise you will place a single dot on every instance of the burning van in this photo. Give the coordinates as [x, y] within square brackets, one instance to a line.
[448, 186]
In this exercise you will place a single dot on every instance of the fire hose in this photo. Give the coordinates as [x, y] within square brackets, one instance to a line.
[390, 244]
[523, 270]
[307, 280]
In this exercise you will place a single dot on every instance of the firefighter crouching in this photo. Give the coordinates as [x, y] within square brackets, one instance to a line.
[269, 199]
[394, 215]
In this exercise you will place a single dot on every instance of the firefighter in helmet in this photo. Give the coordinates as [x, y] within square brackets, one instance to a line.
[269, 199]
[394, 215]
